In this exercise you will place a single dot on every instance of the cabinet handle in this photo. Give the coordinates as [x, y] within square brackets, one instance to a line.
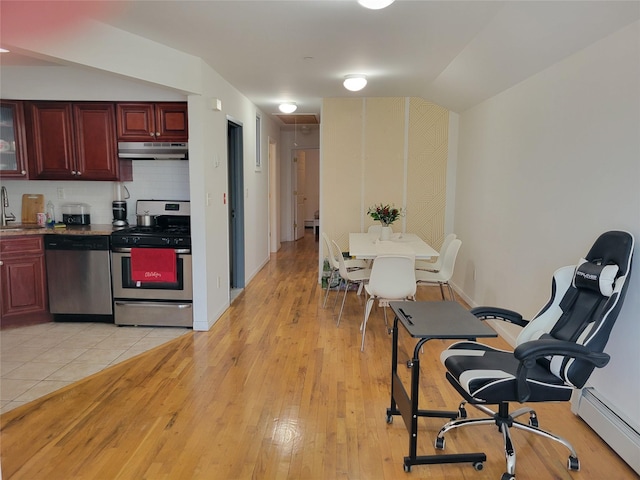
[1, 263]
[157, 134]
[152, 134]
[78, 173]
[23, 172]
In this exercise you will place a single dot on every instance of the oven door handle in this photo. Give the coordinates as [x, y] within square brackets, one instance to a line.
[128, 250]
[180, 306]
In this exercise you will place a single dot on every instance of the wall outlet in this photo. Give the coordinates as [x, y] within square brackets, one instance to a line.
[60, 193]
[474, 274]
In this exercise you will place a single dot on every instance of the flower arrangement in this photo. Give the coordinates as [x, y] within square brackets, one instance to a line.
[385, 214]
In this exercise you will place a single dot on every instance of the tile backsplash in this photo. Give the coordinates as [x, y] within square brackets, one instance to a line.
[152, 179]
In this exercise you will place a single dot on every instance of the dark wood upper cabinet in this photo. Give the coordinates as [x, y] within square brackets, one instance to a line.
[13, 149]
[50, 142]
[95, 131]
[162, 122]
[73, 141]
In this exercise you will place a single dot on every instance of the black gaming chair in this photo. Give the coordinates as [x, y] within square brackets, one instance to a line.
[555, 352]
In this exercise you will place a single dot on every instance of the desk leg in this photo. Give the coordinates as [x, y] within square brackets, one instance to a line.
[393, 408]
[408, 408]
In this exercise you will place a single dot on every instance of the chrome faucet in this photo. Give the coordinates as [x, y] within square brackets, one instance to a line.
[5, 203]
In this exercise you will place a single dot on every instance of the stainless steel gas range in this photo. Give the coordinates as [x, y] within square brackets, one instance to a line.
[151, 267]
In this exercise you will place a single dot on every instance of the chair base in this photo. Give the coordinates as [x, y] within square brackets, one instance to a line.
[504, 421]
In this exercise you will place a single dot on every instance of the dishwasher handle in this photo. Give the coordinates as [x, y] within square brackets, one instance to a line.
[76, 242]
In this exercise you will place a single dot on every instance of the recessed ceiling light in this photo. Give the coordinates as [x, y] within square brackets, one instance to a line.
[288, 107]
[375, 4]
[355, 82]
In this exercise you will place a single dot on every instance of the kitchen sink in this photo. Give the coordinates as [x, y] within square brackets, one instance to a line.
[19, 227]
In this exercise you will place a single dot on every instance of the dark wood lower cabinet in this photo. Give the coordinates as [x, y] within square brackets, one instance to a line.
[23, 286]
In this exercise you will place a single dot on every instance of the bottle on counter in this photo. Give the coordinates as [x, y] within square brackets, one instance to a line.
[51, 214]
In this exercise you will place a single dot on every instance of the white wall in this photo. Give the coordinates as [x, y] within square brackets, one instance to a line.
[312, 183]
[544, 168]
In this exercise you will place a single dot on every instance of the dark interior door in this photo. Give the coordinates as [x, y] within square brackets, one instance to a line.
[236, 205]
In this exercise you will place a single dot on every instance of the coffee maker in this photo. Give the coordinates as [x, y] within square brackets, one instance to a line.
[119, 205]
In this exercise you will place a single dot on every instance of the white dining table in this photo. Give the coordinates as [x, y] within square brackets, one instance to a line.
[369, 245]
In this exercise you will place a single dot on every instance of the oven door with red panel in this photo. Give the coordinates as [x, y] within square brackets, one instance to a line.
[152, 303]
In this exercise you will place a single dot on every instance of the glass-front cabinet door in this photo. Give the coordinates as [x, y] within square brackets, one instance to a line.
[13, 160]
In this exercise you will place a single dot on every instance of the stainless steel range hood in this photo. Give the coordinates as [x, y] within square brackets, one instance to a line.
[153, 150]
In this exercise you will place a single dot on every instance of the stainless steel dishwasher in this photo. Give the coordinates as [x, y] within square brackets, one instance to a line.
[79, 277]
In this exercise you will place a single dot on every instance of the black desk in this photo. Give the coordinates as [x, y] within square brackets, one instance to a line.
[425, 321]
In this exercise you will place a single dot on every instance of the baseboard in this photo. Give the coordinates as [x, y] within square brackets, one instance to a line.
[621, 437]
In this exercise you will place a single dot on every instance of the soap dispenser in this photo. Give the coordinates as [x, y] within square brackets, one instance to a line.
[51, 214]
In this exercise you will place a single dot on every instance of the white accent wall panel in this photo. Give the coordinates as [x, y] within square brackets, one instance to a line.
[427, 170]
[384, 150]
[384, 172]
[341, 168]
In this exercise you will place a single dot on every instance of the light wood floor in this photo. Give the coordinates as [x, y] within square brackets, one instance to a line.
[273, 391]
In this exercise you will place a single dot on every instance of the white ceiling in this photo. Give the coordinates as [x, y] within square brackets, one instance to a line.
[454, 53]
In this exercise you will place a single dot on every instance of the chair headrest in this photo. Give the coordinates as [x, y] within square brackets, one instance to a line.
[592, 276]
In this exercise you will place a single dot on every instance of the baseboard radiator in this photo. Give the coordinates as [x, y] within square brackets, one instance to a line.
[621, 437]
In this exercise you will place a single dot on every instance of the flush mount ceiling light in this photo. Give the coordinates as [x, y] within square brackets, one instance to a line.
[288, 107]
[355, 82]
[375, 4]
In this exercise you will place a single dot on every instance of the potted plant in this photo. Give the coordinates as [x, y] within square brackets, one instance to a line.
[386, 215]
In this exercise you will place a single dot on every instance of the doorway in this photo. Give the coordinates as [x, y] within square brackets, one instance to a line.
[305, 180]
[236, 205]
[299, 178]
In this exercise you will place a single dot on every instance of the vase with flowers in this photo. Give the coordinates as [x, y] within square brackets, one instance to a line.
[386, 215]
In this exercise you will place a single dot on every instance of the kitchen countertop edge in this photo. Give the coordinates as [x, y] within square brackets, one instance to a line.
[96, 229]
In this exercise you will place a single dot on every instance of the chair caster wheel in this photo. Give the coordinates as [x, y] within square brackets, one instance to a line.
[409, 364]
[507, 476]
[478, 466]
[533, 421]
[439, 443]
[462, 412]
[407, 468]
[389, 419]
[573, 464]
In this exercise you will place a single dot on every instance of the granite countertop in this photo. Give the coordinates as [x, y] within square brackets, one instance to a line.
[15, 229]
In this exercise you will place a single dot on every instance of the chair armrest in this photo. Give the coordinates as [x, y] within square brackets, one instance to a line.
[496, 313]
[528, 352]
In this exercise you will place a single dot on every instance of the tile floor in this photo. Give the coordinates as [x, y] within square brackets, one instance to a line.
[38, 359]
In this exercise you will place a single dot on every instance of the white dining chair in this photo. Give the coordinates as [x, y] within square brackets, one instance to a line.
[348, 277]
[437, 265]
[442, 276]
[392, 279]
[334, 266]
